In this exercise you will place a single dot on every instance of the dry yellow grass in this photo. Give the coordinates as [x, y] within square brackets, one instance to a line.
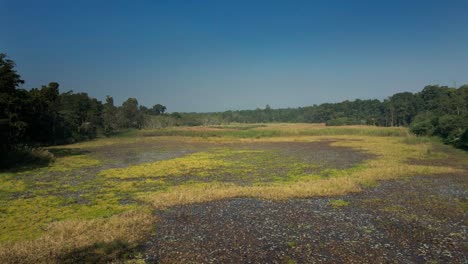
[391, 163]
[215, 191]
[64, 237]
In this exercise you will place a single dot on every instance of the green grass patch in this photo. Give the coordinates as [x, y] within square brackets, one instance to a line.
[292, 244]
[394, 209]
[22, 219]
[264, 132]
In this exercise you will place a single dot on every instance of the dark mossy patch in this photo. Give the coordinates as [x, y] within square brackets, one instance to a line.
[418, 220]
[101, 253]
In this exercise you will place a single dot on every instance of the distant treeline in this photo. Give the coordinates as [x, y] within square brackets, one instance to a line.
[44, 116]
[435, 111]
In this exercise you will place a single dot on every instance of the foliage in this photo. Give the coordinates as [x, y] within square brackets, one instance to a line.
[445, 114]
[109, 116]
[423, 124]
[9, 78]
[157, 109]
[130, 116]
[11, 125]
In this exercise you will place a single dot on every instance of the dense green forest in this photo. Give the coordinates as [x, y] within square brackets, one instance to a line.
[44, 116]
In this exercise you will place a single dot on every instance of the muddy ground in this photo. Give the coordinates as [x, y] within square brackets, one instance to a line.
[414, 220]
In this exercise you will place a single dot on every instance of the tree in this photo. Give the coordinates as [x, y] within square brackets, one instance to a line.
[12, 125]
[131, 117]
[437, 99]
[143, 109]
[404, 106]
[44, 119]
[82, 115]
[9, 78]
[109, 116]
[158, 109]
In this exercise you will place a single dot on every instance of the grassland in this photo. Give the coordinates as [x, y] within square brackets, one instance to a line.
[95, 202]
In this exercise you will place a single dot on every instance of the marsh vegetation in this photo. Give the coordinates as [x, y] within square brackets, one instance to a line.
[97, 199]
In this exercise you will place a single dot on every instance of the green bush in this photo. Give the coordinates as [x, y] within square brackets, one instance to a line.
[423, 125]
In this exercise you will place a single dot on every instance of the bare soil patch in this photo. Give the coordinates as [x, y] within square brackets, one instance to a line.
[415, 220]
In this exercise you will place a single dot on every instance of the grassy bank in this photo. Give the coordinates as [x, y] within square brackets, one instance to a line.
[275, 130]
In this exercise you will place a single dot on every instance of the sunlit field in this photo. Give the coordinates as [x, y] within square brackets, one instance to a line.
[97, 200]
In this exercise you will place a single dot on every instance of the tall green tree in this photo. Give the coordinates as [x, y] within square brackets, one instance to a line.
[109, 116]
[12, 125]
[9, 78]
[44, 121]
[82, 115]
[131, 117]
[404, 106]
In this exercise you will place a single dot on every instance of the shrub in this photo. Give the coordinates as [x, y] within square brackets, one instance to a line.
[423, 125]
[25, 156]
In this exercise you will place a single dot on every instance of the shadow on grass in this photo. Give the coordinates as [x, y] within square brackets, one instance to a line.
[109, 252]
[64, 152]
[24, 158]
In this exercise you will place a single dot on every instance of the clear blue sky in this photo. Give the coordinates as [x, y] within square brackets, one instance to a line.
[217, 55]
